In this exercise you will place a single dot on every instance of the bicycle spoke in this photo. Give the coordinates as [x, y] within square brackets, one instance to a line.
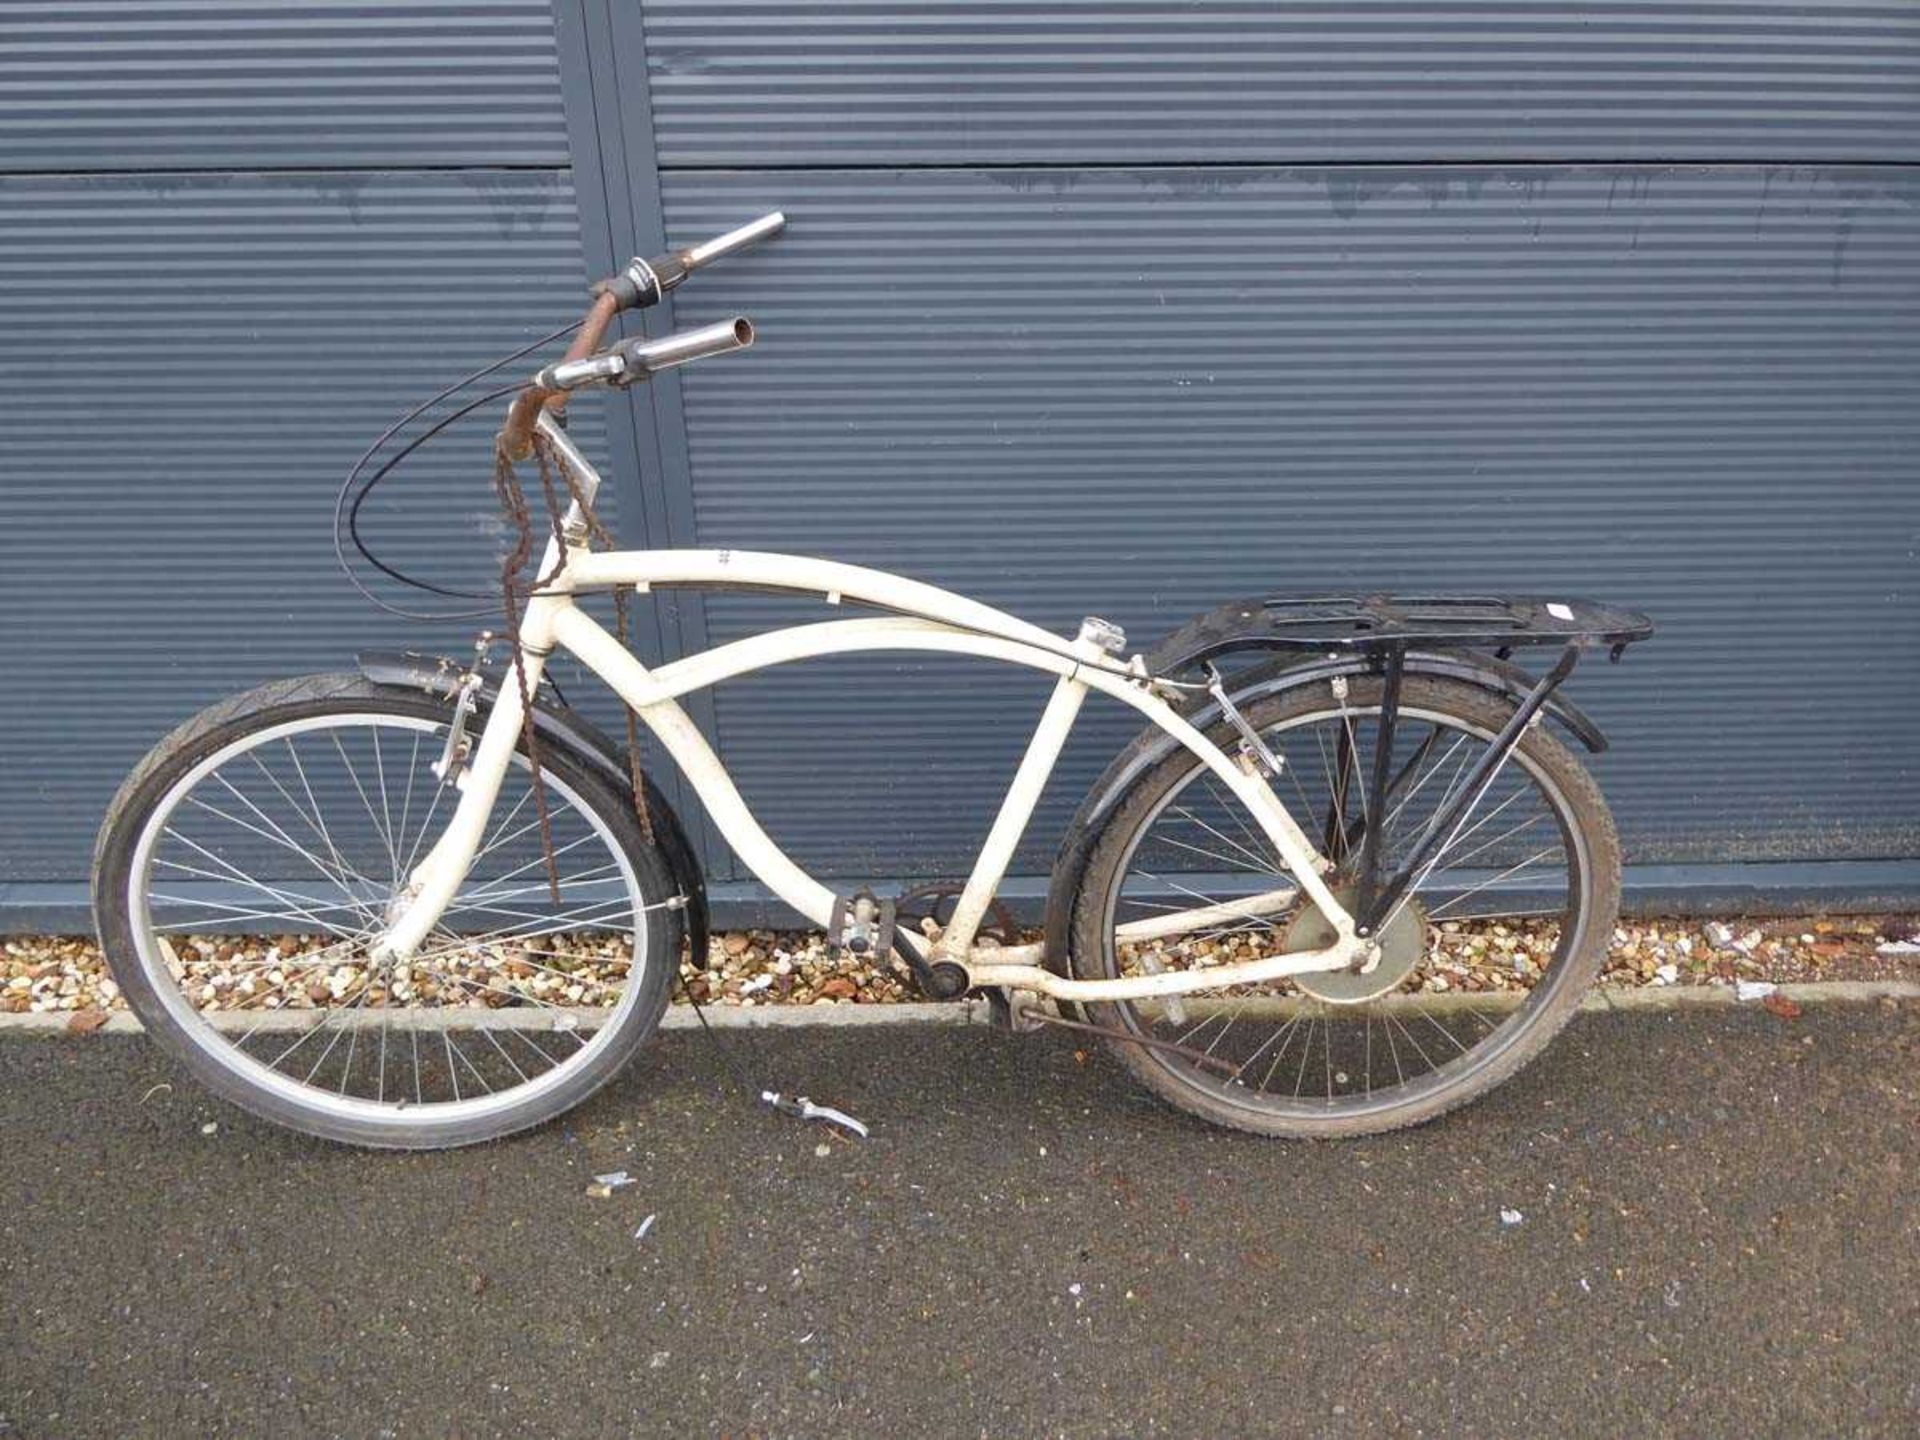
[1257, 844]
[238, 912]
[326, 836]
[280, 836]
[524, 1077]
[426, 829]
[492, 889]
[1257, 861]
[335, 878]
[386, 806]
[308, 820]
[1227, 860]
[1266, 1081]
[1242, 1068]
[233, 873]
[1484, 884]
[406, 803]
[1411, 795]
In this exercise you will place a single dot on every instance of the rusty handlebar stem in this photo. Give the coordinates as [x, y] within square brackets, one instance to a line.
[642, 283]
[515, 441]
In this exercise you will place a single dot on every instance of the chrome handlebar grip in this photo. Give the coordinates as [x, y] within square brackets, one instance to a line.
[645, 357]
[637, 359]
[736, 239]
[646, 282]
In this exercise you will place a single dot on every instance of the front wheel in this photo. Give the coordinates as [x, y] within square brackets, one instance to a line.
[247, 865]
[1481, 965]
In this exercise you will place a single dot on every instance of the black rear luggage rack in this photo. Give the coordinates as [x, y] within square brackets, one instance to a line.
[1383, 622]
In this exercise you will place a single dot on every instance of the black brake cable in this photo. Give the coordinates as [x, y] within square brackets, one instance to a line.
[413, 581]
[351, 513]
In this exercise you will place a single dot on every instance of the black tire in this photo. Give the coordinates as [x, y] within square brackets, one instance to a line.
[281, 702]
[1589, 831]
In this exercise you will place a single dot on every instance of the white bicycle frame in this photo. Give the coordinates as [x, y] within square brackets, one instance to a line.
[925, 618]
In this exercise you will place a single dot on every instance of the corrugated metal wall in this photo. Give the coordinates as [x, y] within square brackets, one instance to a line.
[762, 83]
[1694, 388]
[128, 85]
[1114, 307]
[234, 238]
[1130, 308]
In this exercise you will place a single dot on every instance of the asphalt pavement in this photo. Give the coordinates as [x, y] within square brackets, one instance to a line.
[1718, 1235]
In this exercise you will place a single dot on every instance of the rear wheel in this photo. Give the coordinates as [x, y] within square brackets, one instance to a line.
[248, 864]
[1481, 965]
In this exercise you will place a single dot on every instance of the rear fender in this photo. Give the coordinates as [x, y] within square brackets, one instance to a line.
[564, 728]
[1148, 749]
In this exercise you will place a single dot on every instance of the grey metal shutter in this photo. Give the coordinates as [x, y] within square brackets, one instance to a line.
[1130, 308]
[257, 230]
[248, 84]
[1131, 82]
[1119, 307]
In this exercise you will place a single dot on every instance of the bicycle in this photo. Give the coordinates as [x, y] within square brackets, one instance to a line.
[1344, 880]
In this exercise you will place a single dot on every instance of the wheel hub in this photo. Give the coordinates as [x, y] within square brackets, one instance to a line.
[1402, 942]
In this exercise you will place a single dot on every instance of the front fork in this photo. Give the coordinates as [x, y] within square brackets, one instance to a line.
[433, 882]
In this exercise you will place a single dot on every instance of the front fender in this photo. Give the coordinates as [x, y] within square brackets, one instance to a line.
[1153, 745]
[563, 727]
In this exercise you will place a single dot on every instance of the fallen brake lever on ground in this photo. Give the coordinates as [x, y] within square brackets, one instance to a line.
[801, 1108]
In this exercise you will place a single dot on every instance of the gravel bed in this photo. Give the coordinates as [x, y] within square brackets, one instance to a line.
[762, 967]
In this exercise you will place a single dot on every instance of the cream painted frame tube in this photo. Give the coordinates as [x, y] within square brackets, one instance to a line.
[923, 618]
[654, 696]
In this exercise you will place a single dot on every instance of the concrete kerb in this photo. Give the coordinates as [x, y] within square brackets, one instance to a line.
[959, 1012]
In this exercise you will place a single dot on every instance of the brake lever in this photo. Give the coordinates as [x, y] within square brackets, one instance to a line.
[646, 282]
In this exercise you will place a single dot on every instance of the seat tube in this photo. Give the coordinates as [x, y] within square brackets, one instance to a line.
[1049, 738]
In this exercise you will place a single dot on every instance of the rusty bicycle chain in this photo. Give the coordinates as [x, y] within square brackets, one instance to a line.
[596, 531]
[513, 500]
[549, 460]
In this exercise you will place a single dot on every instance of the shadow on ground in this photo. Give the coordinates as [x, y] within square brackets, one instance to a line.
[1719, 1235]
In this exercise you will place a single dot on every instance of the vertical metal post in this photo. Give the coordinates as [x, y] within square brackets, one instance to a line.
[616, 179]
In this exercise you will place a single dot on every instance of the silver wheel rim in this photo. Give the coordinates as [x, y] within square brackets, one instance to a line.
[1453, 1069]
[626, 903]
